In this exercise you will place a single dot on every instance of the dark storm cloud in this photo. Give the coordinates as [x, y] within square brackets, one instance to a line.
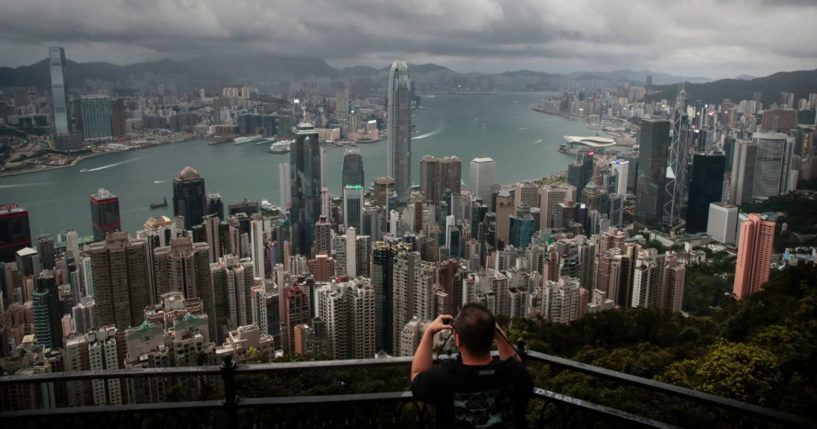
[695, 37]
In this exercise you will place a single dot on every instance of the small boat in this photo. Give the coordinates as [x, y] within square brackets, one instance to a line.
[159, 205]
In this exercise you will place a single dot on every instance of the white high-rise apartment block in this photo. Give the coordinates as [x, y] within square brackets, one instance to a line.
[347, 310]
[257, 231]
[102, 355]
[284, 185]
[413, 290]
[351, 253]
[622, 169]
[563, 300]
[483, 177]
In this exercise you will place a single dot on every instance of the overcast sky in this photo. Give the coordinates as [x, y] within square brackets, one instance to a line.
[712, 38]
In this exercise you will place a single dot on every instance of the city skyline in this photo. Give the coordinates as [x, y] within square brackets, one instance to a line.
[606, 200]
[488, 36]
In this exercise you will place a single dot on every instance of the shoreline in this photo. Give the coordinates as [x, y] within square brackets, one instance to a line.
[95, 155]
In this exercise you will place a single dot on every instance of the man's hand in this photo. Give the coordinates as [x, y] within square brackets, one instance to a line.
[441, 323]
[422, 357]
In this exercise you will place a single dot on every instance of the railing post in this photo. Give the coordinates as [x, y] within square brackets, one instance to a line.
[230, 397]
[521, 347]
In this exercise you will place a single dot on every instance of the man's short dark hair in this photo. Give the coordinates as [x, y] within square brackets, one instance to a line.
[475, 326]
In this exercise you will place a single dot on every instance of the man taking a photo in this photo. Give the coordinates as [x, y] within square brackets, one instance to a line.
[477, 391]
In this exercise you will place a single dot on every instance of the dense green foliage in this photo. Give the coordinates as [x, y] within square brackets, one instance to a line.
[799, 213]
[708, 288]
[759, 350]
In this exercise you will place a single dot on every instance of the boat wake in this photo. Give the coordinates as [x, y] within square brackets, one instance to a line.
[25, 185]
[115, 164]
[428, 134]
[156, 182]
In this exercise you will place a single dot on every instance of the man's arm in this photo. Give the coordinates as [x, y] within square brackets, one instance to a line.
[423, 358]
[506, 350]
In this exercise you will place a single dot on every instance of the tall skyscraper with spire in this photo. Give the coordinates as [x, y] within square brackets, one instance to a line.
[398, 152]
[676, 174]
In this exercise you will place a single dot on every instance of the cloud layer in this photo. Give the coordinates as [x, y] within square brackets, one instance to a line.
[714, 38]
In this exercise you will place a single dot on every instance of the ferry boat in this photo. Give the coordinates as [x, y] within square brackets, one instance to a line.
[281, 146]
[159, 205]
[248, 139]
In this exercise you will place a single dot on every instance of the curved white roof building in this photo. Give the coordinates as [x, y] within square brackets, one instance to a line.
[592, 141]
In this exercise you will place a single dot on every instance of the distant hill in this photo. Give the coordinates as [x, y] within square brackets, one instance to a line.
[637, 76]
[222, 69]
[801, 83]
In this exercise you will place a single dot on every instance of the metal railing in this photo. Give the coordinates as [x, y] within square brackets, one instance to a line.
[399, 405]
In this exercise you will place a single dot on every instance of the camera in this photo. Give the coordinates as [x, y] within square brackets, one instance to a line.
[446, 321]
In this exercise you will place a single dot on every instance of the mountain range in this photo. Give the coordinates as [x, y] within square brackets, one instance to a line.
[214, 72]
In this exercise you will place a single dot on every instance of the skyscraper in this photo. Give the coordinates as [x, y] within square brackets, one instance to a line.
[398, 151]
[183, 266]
[118, 118]
[504, 211]
[549, 198]
[96, 118]
[342, 105]
[353, 169]
[581, 171]
[483, 176]
[383, 189]
[652, 164]
[121, 280]
[754, 255]
[676, 174]
[305, 182]
[774, 151]
[348, 309]
[104, 213]
[722, 222]
[47, 311]
[382, 270]
[15, 233]
[323, 236]
[440, 176]
[284, 186]
[743, 170]
[59, 92]
[412, 295]
[352, 206]
[227, 301]
[189, 197]
[705, 187]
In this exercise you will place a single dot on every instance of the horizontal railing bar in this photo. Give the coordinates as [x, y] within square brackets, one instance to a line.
[201, 370]
[305, 400]
[107, 409]
[599, 409]
[213, 370]
[683, 392]
[110, 373]
[327, 364]
[324, 399]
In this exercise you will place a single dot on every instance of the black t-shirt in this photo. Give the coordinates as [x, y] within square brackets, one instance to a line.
[476, 396]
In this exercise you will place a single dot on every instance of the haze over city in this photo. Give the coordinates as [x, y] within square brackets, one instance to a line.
[706, 38]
